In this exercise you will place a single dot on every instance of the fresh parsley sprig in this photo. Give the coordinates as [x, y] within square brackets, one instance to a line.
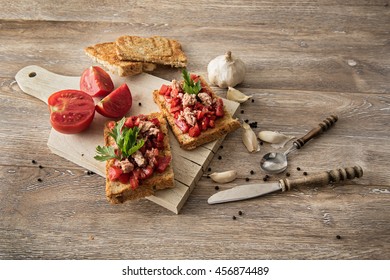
[189, 85]
[126, 140]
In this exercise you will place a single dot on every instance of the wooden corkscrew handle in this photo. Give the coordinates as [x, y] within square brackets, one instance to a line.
[323, 178]
[322, 127]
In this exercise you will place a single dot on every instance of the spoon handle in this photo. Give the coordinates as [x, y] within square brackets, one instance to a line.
[323, 178]
[322, 127]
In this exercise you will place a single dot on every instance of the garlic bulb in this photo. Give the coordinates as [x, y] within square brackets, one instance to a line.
[224, 177]
[277, 139]
[249, 138]
[226, 71]
[236, 95]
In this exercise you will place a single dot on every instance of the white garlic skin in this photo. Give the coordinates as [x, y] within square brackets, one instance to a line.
[276, 138]
[224, 177]
[249, 139]
[226, 71]
[236, 95]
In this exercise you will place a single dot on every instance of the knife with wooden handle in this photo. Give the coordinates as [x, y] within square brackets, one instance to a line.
[255, 190]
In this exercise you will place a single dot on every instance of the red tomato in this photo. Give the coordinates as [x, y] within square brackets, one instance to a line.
[116, 104]
[71, 111]
[194, 131]
[182, 125]
[165, 90]
[114, 173]
[219, 109]
[163, 163]
[96, 82]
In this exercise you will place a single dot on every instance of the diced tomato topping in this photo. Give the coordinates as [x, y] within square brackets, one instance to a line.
[212, 123]
[134, 183]
[205, 123]
[175, 102]
[137, 173]
[174, 92]
[194, 131]
[148, 171]
[165, 90]
[160, 136]
[182, 125]
[163, 163]
[124, 178]
[111, 125]
[176, 109]
[194, 77]
[219, 108]
[132, 121]
[114, 172]
[155, 121]
[198, 106]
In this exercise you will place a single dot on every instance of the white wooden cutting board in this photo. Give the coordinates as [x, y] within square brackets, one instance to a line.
[79, 148]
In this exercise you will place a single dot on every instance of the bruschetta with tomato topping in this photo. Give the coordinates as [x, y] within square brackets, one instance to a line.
[138, 157]
[195, 113]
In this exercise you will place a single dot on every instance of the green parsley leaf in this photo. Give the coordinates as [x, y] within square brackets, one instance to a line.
[189, 86]
[105, 153]
[125, 138]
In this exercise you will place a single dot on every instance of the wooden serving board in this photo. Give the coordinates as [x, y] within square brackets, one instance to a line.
[80, 148]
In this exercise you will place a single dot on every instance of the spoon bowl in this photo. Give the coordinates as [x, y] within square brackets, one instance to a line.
[274, 162]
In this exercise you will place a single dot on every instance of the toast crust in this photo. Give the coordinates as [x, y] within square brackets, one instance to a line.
[105, 54]
[223, 125]
[156, 49]
[117, 192]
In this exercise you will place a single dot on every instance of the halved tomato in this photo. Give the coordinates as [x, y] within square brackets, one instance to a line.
[116, 104]
[71, 111]
[96, 82]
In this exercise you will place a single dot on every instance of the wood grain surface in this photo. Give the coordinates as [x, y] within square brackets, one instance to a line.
[305, 61]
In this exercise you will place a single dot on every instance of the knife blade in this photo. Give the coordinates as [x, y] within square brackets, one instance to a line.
[255, 190]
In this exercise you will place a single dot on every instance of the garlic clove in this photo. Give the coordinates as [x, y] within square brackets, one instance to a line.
[277, 139]
[236, 95]
[249, 139]
[224, 177]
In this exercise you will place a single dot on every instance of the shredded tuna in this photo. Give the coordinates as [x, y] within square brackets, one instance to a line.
[189, 116]
[138, 158]
[126, 166]
[189, 99]
[205, 98]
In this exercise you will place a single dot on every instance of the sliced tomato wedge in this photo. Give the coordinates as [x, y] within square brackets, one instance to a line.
[71, 111]
[116, 104]
[96, 82]
[219, 108]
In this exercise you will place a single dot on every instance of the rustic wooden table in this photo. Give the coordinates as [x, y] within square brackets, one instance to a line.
[305, 60]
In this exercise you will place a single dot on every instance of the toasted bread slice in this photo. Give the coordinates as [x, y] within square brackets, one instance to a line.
[223, 125]
[105, 54]
[118, 192]
[155, 49]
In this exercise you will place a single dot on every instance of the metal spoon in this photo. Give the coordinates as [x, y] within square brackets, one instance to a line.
[277, 162]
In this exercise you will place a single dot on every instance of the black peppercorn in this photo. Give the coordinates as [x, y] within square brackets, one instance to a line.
[338, 236]
[287, 174]
[219, 157]
[253, 100]
[247, 179]
[242, 111]
[305, 173]
[252, 172]
[40, 166]
[34, 161]
[234, 217]
[298, 168]
[39, 180]
[139, 104]
[216, 188]
[265, 179]
[240, 213]
[209, 169]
